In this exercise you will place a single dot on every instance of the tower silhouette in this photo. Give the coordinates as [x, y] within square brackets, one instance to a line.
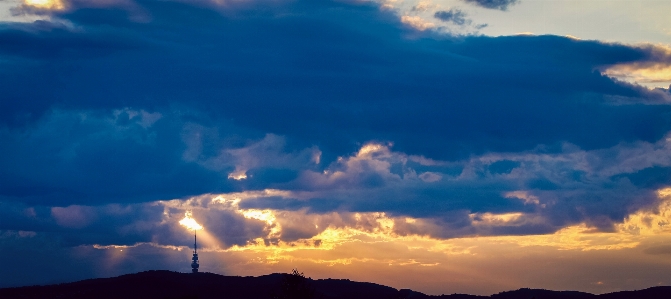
[194, 263]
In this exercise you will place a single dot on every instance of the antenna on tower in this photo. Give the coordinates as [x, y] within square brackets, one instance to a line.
[194, 263]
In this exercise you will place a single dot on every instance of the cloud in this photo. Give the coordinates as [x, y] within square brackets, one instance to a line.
[493, 4]
[73, 216]
[417, 22]
[556, 189]
[230, 224]
[225, 87]
[430, 177]
[652, 72]
[658, 250]
[39, 7]
[267, 152]
[455, 16]
[54, 8]
[102, 157]
[524, 196]
[403, 242]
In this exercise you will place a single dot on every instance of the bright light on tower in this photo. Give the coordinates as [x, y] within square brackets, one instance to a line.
[191, 224]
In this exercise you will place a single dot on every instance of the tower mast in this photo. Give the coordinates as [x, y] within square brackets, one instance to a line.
[194, 263]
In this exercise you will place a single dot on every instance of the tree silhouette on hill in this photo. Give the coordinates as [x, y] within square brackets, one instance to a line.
[295, 286]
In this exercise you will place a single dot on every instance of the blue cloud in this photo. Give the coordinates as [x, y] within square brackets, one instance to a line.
[78, 157]
[453, 15]
[269, 72]
[261, 90]
[493, 4]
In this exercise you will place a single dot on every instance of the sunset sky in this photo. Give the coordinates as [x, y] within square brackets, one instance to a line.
[447, 146]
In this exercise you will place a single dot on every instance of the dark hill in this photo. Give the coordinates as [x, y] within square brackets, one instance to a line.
[546, 294]
[174, 285]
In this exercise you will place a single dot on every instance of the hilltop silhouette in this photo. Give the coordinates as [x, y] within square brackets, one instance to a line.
[175, 285]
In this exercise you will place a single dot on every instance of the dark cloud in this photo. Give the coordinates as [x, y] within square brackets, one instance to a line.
[58, 264]
[453, 15]
[327, 77]
[103, 109]
[78, 157]
[657, 250]
[503, 166]
[652, 177]
[493, 4]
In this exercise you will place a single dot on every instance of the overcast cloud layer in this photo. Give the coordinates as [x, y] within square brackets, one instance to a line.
[118, 117]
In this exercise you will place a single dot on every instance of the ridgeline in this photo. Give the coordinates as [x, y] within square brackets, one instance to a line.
[175, 285]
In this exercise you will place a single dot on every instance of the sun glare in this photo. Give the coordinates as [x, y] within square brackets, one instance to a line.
[189, 222]
[237, 175]
[46, 4]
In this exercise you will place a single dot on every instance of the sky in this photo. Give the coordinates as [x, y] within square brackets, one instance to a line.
[453, 146]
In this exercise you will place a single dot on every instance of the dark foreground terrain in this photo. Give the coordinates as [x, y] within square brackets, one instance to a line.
[174, 285]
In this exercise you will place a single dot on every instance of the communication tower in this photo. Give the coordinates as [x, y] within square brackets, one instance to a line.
[194, 263]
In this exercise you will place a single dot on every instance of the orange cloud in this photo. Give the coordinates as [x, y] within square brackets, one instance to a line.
[46, 4]
[655, 72]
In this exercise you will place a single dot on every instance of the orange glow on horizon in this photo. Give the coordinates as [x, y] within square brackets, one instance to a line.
[364, 228]
[358, 245]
